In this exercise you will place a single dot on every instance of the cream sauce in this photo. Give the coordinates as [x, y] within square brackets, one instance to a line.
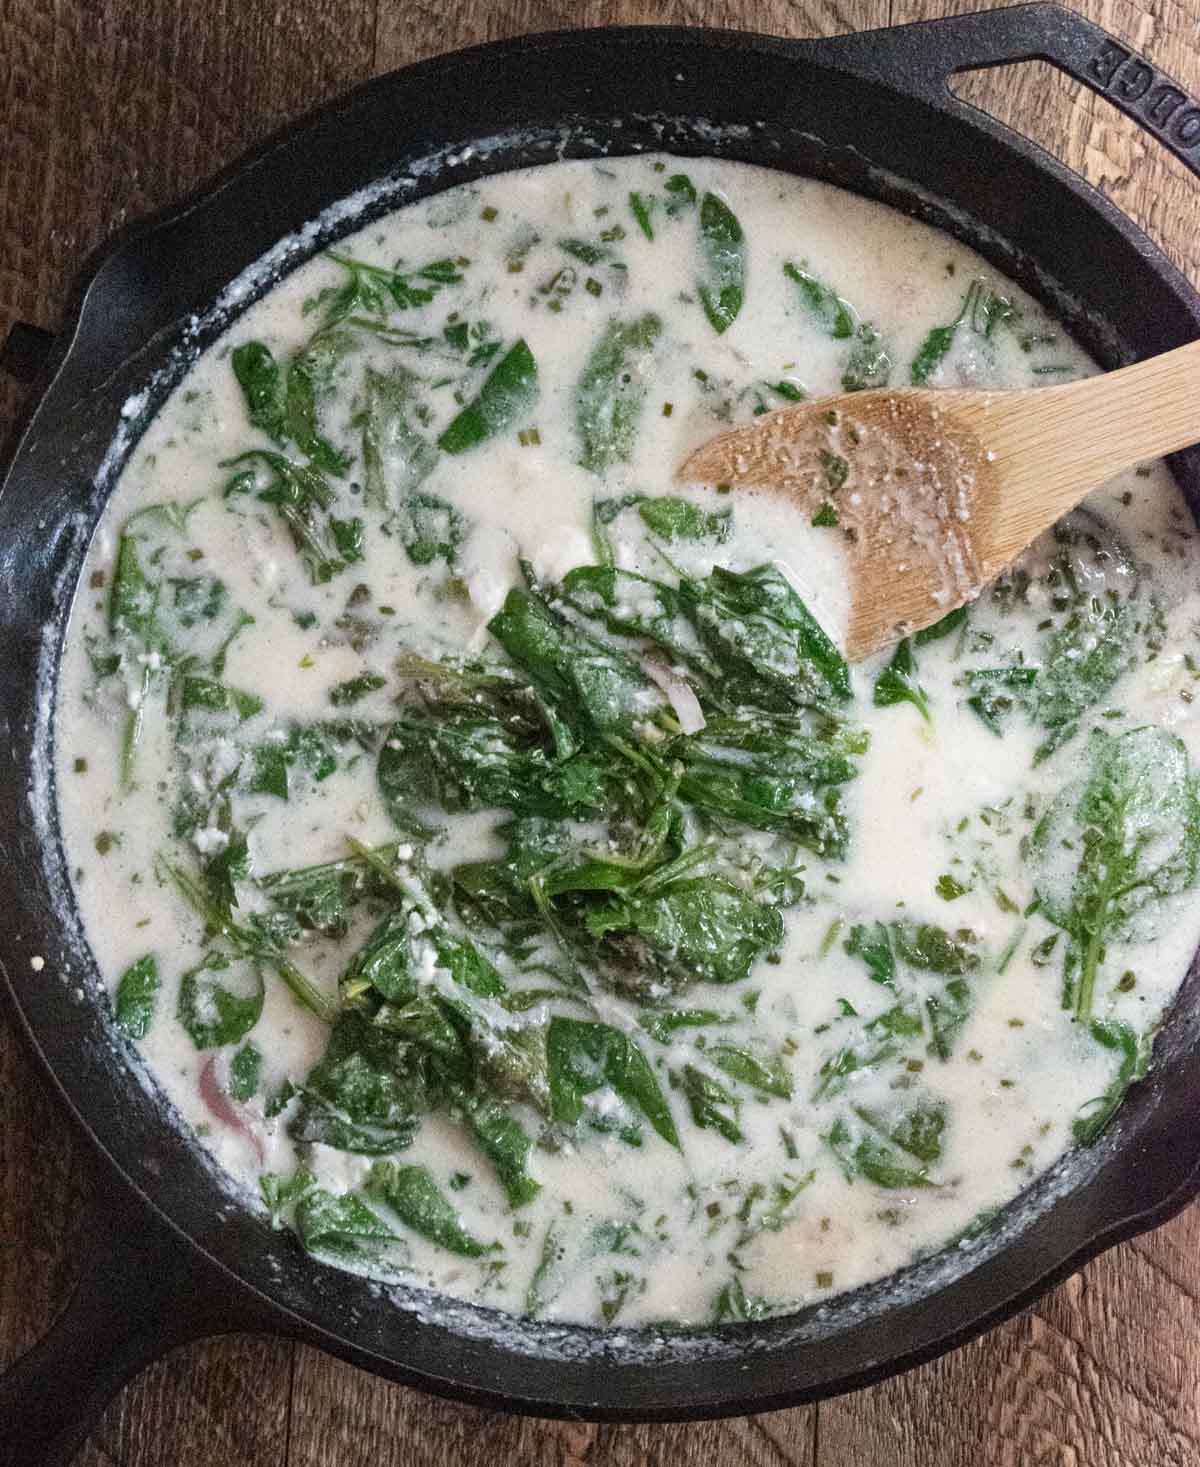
[647, 1232]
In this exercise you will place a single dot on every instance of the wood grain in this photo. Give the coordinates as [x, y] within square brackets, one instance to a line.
[109, 108]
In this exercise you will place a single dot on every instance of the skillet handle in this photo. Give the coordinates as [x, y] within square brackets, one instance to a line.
[923, 57]
[141, 1292]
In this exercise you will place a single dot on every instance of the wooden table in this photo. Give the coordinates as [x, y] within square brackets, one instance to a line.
[111, 108]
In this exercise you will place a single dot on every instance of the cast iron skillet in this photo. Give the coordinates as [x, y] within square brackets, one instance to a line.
[170, 1256]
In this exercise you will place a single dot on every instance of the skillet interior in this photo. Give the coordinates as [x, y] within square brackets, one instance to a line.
[147, 313]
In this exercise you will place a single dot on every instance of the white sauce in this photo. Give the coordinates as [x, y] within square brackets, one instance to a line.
[1021, 1068]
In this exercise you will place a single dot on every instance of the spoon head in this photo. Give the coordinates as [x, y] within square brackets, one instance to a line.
[901, 476]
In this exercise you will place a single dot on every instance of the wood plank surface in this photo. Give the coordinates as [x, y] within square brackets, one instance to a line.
[109, 108]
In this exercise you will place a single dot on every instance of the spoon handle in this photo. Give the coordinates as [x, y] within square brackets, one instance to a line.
[1052, 446]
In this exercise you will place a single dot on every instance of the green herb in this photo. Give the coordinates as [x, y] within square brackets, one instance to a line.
[508, 392]
[949, 888]
[611, 392]
[137, 996]
[723, 256]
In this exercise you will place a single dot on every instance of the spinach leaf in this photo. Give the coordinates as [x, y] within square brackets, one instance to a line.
[506, 1144]
[673, 518]
[633, 605]
[873, 945]
[311, 372]
[713, 1106]
[279, 1192]
[683, 193]
[772, 1076]
[262, 382]
[509, 390]
[244, 1071]
[700, 927]
[869, 363]
[346, 1230]
[835, 315]
[948, 1011]
[734, 1306]
[143, 647]
[788, 800]
[307, 748]
[1095, 1115]
[258, 942]
[302, 498]
[209, 695]
[660, 1024]
[642, 208]
[137, 995]
[319, 898]
[937, 631]
[998, 689]
[1114, 846]
[417, 1200]
[611, 392]
[897, 683]
[916, 1128]
[721, 286]
[939, 340]
[932, 949]
[354, 689]
[585, 1056]
[430, 529]
[760, 631]
[397, 459]
[597, 686]
[363, 1095]
[861, 1151]
[213, 1014]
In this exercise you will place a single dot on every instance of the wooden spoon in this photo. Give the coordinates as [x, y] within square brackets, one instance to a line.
[936, 492]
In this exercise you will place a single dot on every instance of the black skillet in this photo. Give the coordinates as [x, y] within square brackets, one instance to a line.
[169, 1256]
